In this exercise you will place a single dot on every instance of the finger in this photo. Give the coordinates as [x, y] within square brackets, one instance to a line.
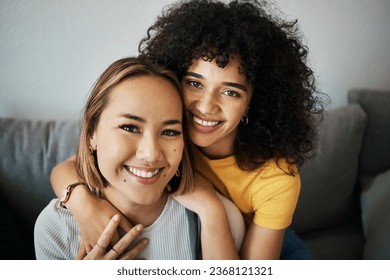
[105, 239]
[125, 225]
[81, 253]
[114, 240]
[126, 240]
[133, 252]
[112, 254]
[88, 248]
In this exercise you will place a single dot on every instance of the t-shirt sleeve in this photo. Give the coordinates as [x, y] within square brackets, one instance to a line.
[51, 238]
[275, 199]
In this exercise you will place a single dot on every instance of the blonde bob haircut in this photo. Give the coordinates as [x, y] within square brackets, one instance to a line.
[126, 68]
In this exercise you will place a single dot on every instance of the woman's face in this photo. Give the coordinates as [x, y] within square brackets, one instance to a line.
[139, 139]
[216, 99]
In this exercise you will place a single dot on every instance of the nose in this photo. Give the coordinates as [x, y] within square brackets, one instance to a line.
[149, 149]
[207, 103]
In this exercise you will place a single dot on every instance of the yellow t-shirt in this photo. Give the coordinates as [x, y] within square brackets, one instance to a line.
[268, 196]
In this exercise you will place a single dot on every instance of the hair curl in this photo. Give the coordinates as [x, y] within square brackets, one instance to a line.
[285, 104]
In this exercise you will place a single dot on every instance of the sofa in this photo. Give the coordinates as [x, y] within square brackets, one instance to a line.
[342, 212]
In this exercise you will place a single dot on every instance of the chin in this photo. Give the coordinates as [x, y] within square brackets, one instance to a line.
[200, 140]
[147, 199]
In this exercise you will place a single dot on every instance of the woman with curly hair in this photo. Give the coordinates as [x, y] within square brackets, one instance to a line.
[252, 107]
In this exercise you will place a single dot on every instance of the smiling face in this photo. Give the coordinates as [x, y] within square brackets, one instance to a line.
[216, 99]
[139, 139]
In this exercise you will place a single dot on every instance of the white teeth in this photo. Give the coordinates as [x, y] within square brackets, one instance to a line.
[204, 123]
[143, 173]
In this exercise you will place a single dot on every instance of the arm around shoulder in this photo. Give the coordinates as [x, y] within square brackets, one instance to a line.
[216, 237]
[262, 243]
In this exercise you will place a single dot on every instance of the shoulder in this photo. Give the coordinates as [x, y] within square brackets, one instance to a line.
[274, 180]
[50, 215]
[275, 171]
[54, 229]
[53, 214]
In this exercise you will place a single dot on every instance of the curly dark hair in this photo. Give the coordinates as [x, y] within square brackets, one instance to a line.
[285, 103]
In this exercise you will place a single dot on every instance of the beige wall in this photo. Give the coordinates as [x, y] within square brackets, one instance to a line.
[51, 52]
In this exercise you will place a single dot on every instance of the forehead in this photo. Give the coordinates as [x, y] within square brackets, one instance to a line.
[146, 96]
[234, 70]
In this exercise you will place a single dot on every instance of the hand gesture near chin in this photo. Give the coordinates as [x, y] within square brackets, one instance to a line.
[103, 251]
[201, 199]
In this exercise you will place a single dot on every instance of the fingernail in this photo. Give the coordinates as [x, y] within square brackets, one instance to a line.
[139, 228]
[116, 217]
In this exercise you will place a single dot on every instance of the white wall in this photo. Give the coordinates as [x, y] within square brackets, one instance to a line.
[52, 51]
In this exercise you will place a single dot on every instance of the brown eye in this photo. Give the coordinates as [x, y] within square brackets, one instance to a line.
[130, 128]
[194, 84]
[171, 132]
[231, 93]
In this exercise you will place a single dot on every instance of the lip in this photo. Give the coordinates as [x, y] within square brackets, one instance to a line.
[145, 176]
[204, 125]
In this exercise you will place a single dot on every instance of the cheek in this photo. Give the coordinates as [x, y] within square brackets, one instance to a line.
[236, 111]
[176, 154]
[114, 149]
[235, 114]
[188, 100]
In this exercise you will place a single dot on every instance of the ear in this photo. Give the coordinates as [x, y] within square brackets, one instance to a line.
[93, 141]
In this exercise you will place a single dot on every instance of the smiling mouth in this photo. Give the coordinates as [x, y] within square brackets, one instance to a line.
[204, 122]
[143, 173]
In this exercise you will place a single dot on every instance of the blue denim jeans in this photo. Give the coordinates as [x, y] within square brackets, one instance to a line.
[294, 248]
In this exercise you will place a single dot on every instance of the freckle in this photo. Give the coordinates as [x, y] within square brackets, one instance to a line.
[174, 150]
[124, 180]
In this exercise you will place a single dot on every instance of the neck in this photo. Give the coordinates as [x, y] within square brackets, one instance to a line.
[135, 213]
[220, 149]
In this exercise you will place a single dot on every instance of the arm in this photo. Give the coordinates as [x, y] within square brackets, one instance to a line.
[84, 205]
[274, 201]
[217, 240]
[262, 243]
[118, 251]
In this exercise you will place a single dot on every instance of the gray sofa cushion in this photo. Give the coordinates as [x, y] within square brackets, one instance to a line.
[375, 155]
[328, 179]
[375, 201]
[28, 152]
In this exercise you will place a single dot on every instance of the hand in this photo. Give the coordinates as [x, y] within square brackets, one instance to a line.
[92, 214]
[100, 251]
[201, 198]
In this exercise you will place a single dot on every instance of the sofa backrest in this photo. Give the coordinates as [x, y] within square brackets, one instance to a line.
[374, 175]
[329, 178]
[28, 152]
[375, 155]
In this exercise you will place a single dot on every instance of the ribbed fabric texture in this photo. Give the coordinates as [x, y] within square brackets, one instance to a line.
[56, 234]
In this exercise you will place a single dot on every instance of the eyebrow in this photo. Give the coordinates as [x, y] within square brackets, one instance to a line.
[142, 120]
[231, 84]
